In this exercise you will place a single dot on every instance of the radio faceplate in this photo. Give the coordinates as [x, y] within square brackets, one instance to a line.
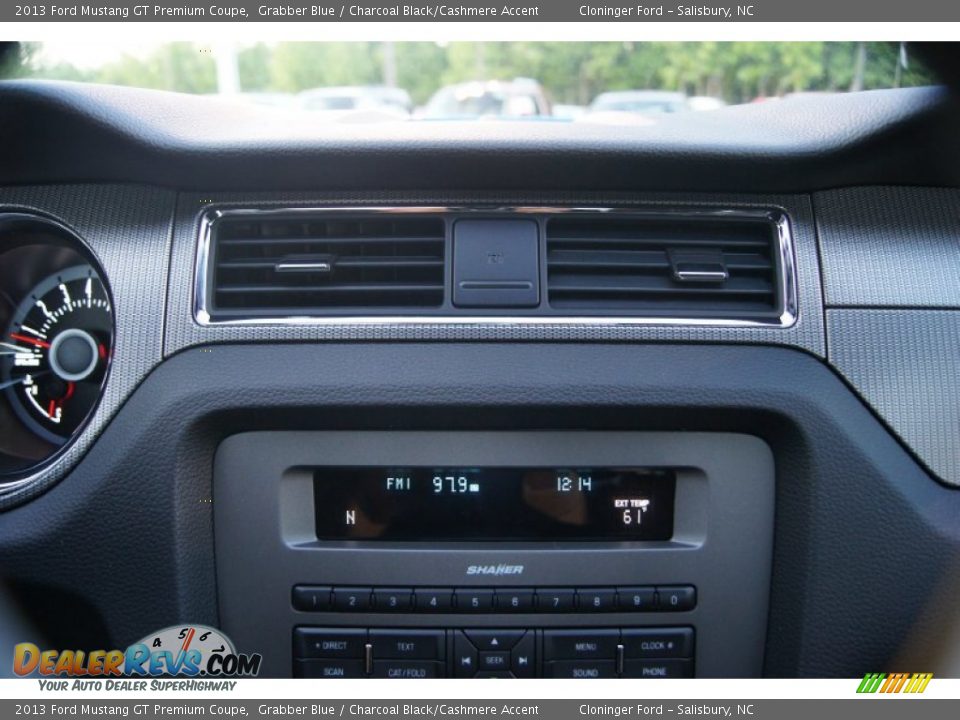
[266, 525]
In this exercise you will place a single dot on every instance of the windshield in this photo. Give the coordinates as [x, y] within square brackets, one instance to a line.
[559, 81]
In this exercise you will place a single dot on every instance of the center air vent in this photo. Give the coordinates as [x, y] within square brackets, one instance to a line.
[275, 265]
[684, 267]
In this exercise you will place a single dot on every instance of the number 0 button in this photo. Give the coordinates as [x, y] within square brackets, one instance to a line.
[676, 597]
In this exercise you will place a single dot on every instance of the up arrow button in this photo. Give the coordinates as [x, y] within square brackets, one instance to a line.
[494, 639]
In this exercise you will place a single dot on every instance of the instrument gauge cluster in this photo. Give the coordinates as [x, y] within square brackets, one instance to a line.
[56, 316]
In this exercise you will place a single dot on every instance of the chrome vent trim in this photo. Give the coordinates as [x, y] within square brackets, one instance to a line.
[787, 281]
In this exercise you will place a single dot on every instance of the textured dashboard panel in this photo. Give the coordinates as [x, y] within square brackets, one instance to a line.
[128, 228]
[183, 331]
[867, 548]
[906, 364]
[890, 246]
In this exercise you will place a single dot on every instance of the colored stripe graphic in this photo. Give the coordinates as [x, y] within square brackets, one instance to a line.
[894, 683]
[870, 682]
[919, 682]
[899, 682]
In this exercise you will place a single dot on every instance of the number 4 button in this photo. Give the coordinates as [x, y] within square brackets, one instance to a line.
[433, 600]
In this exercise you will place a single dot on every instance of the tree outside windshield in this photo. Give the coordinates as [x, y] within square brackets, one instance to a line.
[545, 80]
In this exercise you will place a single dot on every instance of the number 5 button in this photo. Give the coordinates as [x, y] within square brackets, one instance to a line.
[470, 600]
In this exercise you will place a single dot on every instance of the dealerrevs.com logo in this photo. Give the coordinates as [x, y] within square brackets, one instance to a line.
[181, 651]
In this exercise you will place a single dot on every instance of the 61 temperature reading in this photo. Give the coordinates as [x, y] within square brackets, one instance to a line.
[633, 509]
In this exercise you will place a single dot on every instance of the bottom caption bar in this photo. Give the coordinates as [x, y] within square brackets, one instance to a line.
[552, 709]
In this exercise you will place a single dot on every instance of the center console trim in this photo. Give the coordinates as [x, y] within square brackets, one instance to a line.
[266, 541]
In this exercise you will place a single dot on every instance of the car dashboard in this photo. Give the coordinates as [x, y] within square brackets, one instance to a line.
[431, 401]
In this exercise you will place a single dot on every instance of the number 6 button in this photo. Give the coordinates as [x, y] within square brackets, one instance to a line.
[515, 600]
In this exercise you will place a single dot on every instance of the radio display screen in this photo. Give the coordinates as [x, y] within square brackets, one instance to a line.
[529, 504]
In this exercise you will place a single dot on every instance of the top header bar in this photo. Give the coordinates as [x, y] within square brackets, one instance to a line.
[578, 11]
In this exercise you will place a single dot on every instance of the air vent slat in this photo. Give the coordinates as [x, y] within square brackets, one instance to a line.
[619, 242]
[673, 266]
[326, 263]
[267, 241]
[585, 260]
[371, 287]
[653, 286]
[341, 262]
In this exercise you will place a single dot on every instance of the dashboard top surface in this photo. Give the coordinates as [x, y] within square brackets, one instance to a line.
[105, 133]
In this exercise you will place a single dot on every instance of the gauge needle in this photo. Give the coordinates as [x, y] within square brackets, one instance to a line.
[32, 341]
[18, 348]
[11, 383]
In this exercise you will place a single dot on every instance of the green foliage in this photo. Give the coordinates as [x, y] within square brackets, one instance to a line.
[419, 68]
[571, 72]
[176, 66]
[300, 66]
[254, 67]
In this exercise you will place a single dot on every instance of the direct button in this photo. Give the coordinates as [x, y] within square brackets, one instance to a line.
[329, 642]
[407, 644]
[658, 643]
[580, 644]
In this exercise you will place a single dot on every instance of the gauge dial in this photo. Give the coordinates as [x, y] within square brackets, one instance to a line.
[56, 352]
